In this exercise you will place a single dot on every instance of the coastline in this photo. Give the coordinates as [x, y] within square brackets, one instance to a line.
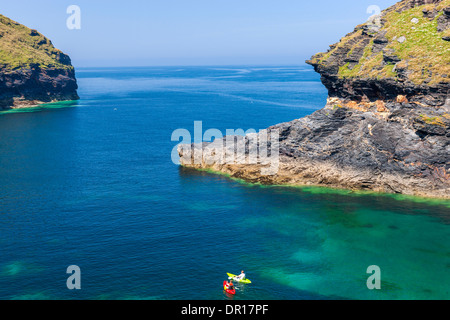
[23, 104]
[38, 105]
[345, 148]
[320, 188]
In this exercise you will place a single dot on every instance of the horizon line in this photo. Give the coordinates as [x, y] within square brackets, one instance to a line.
[195, 65]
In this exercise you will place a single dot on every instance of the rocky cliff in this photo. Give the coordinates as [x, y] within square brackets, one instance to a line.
[386, 125]
[32, 70]
[404, 51]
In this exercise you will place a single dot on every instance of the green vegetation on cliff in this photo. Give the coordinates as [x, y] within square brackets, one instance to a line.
[32, 70]
[411, 43]
[23, 47]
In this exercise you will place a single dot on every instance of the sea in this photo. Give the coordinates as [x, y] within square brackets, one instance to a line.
[93, 184]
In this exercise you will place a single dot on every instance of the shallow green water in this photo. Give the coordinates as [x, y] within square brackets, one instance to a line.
[91, 183]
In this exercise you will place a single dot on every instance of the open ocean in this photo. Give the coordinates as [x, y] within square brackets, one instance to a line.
[91, 183]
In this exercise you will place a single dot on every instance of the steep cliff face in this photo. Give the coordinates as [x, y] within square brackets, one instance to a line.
[386, 125]
[32, 70]
[404, 51]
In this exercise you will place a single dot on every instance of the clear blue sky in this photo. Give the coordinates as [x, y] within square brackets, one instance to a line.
[193, 32]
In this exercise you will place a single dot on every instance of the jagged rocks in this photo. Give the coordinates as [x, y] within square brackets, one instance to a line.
[444, 20]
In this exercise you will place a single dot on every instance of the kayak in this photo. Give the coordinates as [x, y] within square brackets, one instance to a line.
[228, 290]
[233, 276]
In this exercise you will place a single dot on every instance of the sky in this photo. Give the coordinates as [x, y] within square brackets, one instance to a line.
[192, 32]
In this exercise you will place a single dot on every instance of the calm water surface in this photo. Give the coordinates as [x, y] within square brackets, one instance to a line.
[92, 183]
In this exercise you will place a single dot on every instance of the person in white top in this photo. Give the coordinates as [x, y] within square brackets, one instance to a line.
[241, 276]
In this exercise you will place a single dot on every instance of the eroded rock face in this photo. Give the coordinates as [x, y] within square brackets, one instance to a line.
[388, 131]
[32, 86]
[397, 150]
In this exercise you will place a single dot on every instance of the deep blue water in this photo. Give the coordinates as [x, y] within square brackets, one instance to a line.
[91, 183]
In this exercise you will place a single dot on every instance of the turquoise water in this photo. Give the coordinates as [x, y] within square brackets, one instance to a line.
[92, 183]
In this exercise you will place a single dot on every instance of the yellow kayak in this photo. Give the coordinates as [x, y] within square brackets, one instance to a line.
[233, 276]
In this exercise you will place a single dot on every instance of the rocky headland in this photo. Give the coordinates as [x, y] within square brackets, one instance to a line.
[386, 124]
[32, 70]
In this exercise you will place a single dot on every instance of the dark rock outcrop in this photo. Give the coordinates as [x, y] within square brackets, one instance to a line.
[400, 149]
[32, 86]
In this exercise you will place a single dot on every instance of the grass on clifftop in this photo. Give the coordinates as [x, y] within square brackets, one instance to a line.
[423, 53]
[21, 46]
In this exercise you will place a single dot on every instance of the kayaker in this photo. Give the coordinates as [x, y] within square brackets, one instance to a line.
[241, 276]
[230, 285]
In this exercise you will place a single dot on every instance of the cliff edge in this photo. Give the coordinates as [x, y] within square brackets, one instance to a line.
[405, 51]
[386, 124]
[32, 70]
